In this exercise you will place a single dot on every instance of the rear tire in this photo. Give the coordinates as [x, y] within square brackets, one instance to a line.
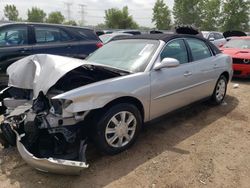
[117, 129]
[220, 90]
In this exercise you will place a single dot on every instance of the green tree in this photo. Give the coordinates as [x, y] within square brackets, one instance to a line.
[11, 12]
[235, 15]
[161, 15]
[55, 17]
[101, 26]
[187, 12]
[119, 19]
[70, 22]
[36, 15]
[210, 15]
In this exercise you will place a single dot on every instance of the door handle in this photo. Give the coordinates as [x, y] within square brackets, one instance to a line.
[188, 74]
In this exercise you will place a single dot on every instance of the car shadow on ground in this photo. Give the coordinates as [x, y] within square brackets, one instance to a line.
[161, 135]
[241, 80]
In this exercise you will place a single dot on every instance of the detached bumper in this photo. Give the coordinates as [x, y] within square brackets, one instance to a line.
[58, 166]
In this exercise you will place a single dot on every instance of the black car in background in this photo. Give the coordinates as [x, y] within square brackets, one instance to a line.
[18, 40]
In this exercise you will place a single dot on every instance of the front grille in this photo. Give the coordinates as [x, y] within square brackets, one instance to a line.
[236, 72]
[240, 61]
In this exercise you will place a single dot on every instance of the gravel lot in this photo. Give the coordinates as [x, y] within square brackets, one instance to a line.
[201, 146]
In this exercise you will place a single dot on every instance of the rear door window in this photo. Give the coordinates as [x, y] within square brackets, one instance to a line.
[14, 36]
[199, 49]
[50, 34]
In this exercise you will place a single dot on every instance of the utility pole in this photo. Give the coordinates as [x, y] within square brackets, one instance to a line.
[68, 8]
[82, 12]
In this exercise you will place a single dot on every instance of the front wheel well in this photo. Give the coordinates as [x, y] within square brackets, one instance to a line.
[129, 100]
[226, 74]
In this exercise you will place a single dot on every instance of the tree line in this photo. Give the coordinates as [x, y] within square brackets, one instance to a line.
[204, 14]
[36, 14]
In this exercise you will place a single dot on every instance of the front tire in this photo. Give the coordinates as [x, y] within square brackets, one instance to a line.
[117, 129]
[220, 90]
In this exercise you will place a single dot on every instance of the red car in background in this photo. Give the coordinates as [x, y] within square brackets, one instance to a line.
[239, 49]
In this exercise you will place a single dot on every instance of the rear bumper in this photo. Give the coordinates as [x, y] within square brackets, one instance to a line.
[58, 166]
[241, 70]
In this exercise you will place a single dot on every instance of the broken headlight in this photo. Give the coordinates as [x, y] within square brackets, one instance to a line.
[41, 103]
[57, 105]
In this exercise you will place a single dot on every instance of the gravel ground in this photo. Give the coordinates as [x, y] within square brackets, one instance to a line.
[201, 146]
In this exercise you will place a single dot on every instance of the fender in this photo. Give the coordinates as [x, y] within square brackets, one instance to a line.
[97, 95]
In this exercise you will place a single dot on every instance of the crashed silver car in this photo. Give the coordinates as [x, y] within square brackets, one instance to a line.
[54, 106]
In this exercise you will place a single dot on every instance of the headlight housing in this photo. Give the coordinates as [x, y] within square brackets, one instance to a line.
[57, 105]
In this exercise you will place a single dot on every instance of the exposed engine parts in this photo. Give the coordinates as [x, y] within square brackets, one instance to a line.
[44, 133]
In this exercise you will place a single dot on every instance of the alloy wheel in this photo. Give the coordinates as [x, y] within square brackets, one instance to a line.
[220, 90]
[121, 128]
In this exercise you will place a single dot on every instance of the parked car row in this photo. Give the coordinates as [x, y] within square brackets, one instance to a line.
[18, 40]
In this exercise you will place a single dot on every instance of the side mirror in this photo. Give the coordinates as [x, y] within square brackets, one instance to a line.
[211, 39]
[167, 63]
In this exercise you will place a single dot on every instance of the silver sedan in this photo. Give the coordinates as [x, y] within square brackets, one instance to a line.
[55, 104]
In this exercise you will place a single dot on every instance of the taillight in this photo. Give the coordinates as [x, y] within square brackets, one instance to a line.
[99, 44]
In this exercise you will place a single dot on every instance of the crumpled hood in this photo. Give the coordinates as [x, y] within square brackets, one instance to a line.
[40, 72]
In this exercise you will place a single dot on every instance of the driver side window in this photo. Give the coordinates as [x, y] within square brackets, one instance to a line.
[176, 49]
[14, 36]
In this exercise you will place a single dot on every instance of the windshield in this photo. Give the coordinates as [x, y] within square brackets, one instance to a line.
[128, 55]
[238, 43]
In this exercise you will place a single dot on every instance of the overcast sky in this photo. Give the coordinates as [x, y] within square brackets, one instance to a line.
[141, 10]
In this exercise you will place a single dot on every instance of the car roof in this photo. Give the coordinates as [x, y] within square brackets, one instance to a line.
[234, 33]
[167, 38]
[118, 34]
[163, 37]
[44, 24]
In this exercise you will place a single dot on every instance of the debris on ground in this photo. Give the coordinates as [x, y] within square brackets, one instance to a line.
[235, 86]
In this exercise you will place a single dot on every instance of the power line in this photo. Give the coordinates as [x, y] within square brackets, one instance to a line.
[103, 9]
[68, 7]
[82, 12]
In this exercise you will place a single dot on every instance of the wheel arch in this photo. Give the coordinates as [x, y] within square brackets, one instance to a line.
[226, 74]
[129, 100]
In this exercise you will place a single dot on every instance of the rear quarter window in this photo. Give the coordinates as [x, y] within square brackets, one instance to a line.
[86, 34]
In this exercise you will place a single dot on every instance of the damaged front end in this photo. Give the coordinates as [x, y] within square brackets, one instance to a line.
[48, 137]
[46, 141]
